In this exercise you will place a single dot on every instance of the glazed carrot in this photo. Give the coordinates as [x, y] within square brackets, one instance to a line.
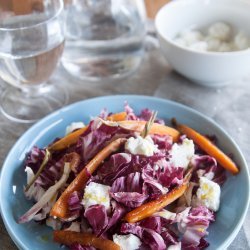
[67, 140]
[72, 138]
[69, 238]
[117, 117]
[60, 208]
[206, 145]
[152, 207]
[156, 128]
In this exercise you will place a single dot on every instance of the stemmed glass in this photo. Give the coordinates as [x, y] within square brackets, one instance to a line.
[31, 44]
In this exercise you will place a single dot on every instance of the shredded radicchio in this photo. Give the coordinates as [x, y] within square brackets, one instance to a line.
[193, 223]
[100, 220]
[75, 205]
[207, 166]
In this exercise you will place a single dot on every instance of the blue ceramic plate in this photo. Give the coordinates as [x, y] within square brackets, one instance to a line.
[235, 192]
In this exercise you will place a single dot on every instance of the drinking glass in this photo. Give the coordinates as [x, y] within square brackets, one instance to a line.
[31, 44]
[104, 38]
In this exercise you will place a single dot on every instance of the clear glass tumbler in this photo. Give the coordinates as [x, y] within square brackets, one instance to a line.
[104, 38]
[31, 44]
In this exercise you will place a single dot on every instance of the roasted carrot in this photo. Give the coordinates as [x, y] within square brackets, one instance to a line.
[67, 140]
[69, 238]
[152, 207]
[60, 208]
[206, 145]
[156, 128]
[117, 117]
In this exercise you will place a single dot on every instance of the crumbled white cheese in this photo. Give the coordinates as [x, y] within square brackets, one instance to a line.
[96, 193]
[208, 194]
[181, 154]
[127, 242]
[142, 146]
[73, 126]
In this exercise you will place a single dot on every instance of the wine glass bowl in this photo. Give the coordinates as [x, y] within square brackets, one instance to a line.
[32, 41]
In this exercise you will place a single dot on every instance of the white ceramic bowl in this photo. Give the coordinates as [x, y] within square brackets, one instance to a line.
[206, 68]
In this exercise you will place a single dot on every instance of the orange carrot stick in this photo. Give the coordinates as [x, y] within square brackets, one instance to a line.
[67, 140]
[152, 207]
[156, 128]
[117, 117]
[69, 237]
[206, 145]
[60, 208]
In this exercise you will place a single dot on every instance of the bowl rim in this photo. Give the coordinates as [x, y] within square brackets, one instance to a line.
[53, 115]
[178, 3]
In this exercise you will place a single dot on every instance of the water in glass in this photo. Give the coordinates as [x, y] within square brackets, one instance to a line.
[103, 38]
[31, 57]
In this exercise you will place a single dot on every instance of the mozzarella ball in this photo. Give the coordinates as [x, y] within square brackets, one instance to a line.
[225, 47]
[191, 36]
[241, 41]
[220, 30]
[213, 44]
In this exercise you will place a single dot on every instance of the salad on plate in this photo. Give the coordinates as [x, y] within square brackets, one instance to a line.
[127, 181]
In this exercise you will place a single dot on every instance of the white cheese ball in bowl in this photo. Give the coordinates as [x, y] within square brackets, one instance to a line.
[221, 59]
[220, 30]
[241, 41]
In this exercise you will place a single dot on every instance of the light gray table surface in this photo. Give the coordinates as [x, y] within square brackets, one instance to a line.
[228, 106]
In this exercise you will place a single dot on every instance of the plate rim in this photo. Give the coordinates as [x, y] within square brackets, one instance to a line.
[60, 111]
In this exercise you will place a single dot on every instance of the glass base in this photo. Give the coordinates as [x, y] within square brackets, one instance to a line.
[31, 104]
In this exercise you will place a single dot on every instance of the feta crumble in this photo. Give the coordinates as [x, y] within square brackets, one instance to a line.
[73, 126]
[208, 194]
[142, 146]
[96, 193]
[127, 242]
[181, 154]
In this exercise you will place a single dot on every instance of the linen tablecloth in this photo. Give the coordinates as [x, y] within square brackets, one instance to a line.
[228, 106]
